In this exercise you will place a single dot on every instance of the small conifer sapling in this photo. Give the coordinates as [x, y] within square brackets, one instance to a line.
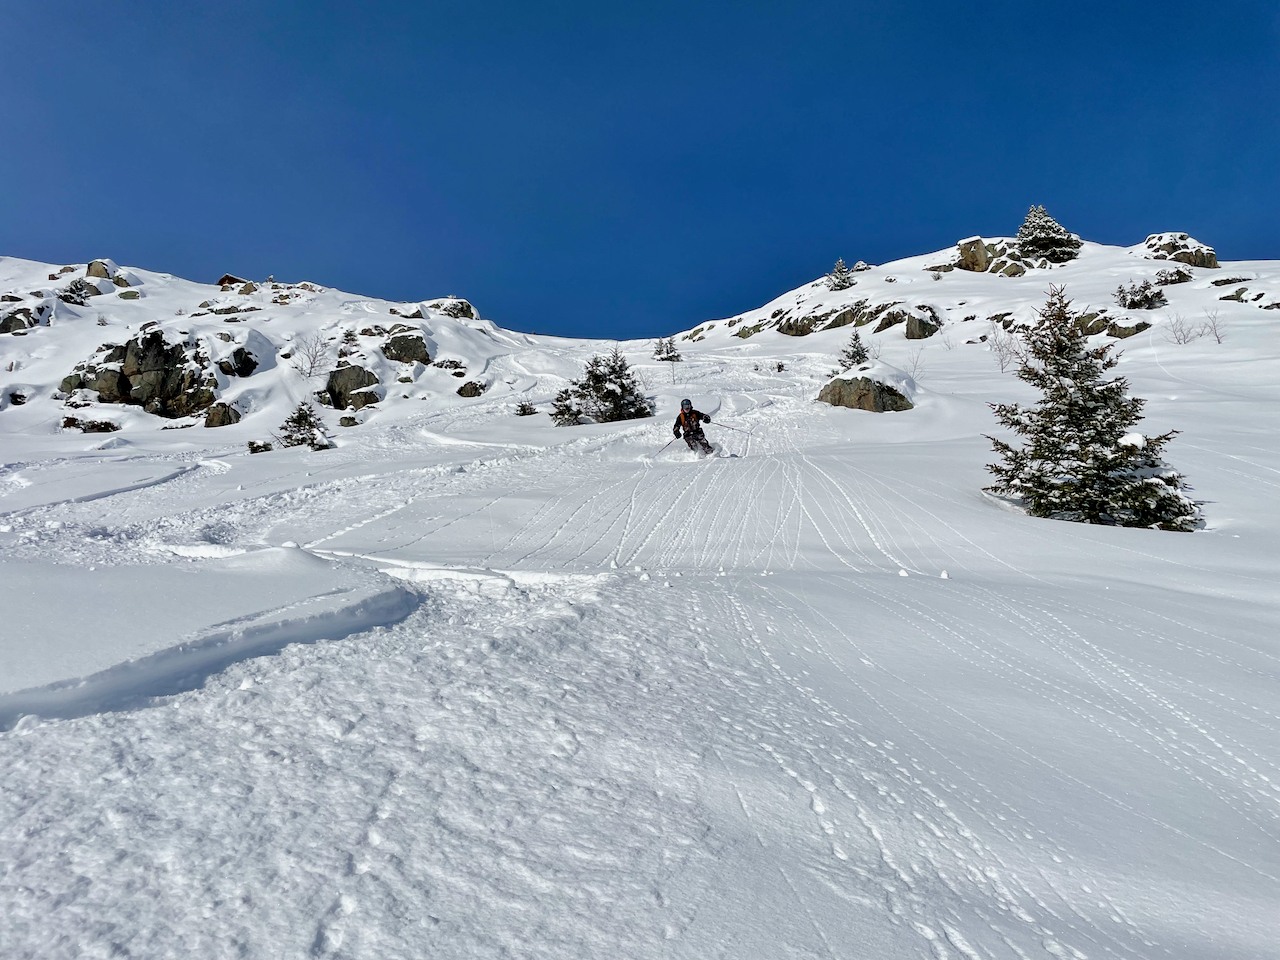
[854, 353]
[840, 277]
[303, 428]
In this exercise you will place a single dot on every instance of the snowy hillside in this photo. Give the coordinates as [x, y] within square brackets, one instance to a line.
[469, 683]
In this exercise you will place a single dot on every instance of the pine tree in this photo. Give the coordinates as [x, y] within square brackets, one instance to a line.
[854, 353]
[840, 277]
[303, 428]
[1042, 237]
[608, 390]
[1080, 461]
[666, 350]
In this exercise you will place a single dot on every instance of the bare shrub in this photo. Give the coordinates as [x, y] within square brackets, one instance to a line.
[1213, 327]
[915, 362]
[1181, 331]
[1008, 347]
[310, 354]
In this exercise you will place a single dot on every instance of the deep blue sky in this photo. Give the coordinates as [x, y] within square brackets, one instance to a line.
[622, 169]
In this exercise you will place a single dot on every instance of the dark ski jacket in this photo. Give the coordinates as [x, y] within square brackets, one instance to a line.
[693, 426]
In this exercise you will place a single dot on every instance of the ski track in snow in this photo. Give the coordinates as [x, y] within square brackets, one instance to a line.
[654, 706]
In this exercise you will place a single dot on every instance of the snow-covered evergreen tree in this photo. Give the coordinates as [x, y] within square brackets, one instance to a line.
[854, 353]
[840, 277]
[1042, 237]
[303, 428]
[1080, 460]
[665, 349]
[608, 390]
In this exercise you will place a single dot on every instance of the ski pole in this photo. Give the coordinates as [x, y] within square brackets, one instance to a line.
[734, 429]
[667, 444]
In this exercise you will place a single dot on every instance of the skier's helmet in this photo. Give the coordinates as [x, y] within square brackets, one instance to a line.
[686, 405]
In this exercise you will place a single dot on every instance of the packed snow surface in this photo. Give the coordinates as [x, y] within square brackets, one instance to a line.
[470, 684]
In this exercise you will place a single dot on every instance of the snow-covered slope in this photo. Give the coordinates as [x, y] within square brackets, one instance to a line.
[470, 683]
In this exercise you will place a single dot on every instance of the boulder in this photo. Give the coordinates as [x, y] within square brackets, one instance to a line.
[10, 298]
[120, 281]
[359, 399]
[346, 380]
[863, 393]
[221, 415]
[241, 363]
[407, 348]
[249, 287]
[920, 329]
[843, 318]
[1014, 270]
[19, 319]
[228, 279]
[472, 388]
[973, 255]
[129, 295]
[348, 422]
[106, 269]
[891, 319]
[1120, 333]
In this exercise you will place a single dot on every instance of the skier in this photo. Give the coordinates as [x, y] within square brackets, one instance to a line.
[690, 422]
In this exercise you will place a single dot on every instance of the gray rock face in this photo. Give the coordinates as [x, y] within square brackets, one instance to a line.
[344, 381]
[406, 348]
[165, 379]
[221, 415]
[98, 268]
[863, 393]
[973, 255]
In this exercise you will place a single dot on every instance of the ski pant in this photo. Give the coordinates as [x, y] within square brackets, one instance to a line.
[697, 442]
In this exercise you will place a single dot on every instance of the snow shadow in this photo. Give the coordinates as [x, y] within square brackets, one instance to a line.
[129, 686]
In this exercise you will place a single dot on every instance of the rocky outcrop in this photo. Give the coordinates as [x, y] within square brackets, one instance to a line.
[168, 380]
[106, 269]
[221, 415]
[406, 348]
[973, 255]
[453, 307]
[472, 388]
[1182, 248]
[241, 363]
[863, 393]
[344, 381]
